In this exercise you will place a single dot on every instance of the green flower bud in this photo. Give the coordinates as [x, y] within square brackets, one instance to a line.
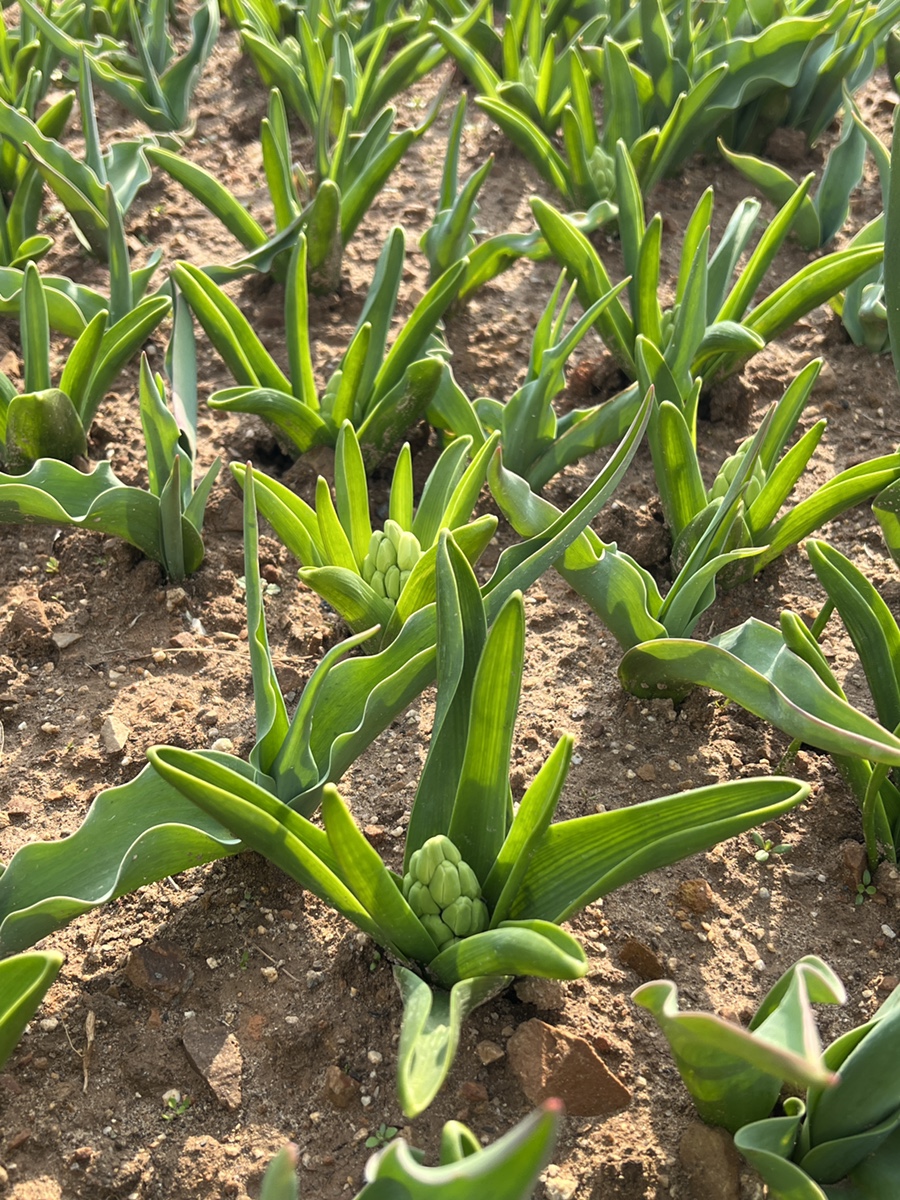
[408, 551]
[458, 916]
[440, 933]
[468, 881]
[444, 886]
[386, 556]
[444, 892]
[392, 583]
[376, 583]
[393, 532]
[421, 900]
[368, 568]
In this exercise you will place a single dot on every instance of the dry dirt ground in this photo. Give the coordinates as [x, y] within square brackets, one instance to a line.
[246, 949]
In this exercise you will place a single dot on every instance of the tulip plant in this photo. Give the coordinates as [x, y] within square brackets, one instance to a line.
[722, 535]
[146, 830]
[842, 1140]
[783, 676]
[713, 326]
[44, 421]
[507, 1170]
[536, 443]
[350, 171]
[24, 981]
[482, 894]
[452, 235]
[379, 577]
[152, 83]
[380, 392]
[734, 1074]
[325, 68]
[84, 186]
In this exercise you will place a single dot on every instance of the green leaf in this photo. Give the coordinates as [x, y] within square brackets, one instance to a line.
[42, 425]
[271, 712]
[734, 1074]
[753, 666]
[478, 825]
[429, 1032]
[506, 1170]
[371, 882]
[133, 834]
[24, 980]
[536, 948]
[580, 860]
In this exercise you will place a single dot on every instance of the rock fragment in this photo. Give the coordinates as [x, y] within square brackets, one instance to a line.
[160, 968]
[853, 863]
[340, 1089]
[216, 1055]
[547, 995]
[549, 1061]
[711, 1161]
[113, 735]
[695, 895]
[641, 959]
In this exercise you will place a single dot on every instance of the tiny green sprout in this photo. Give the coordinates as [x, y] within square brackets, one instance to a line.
[175, 1104]
[864, 888]
[376, 959]
[381, 1136]
[244, 960]
[51, 566]
[765, 847]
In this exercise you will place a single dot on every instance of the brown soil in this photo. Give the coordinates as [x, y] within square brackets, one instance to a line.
[172, 666]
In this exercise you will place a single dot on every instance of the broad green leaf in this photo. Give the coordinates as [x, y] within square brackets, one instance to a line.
[536, 948]
[753, 666]
[371, 882]
[42, 425]
[506, 1170]
[479, 822]
[429, 1032]
[734, 1074]
[24, 979]
[133, 834]
[580, 860]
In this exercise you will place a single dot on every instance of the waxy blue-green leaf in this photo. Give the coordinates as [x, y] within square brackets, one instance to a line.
[429, 1033]
[734, 1074]
[24, 980]
[506, 1170]
[753, 666]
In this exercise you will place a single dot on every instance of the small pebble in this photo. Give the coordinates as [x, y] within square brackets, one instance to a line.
[887, 931]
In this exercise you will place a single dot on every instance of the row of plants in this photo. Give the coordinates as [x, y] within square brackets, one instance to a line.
[484, 888]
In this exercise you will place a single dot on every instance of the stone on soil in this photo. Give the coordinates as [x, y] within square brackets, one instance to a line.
[549, 1061]
[641, 959]
[711, 1162]
[113, 735]
[340, 1089]
[216, 1055]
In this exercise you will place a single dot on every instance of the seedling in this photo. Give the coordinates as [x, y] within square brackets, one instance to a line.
[864, 888]
[175, 1105]
[765, 847]
[381, 1136]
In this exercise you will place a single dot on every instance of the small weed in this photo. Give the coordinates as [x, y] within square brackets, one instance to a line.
[865, 888]
[381, 1136]
[765, 847]
[244, 960]
[175, 1105]
[51, 566]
